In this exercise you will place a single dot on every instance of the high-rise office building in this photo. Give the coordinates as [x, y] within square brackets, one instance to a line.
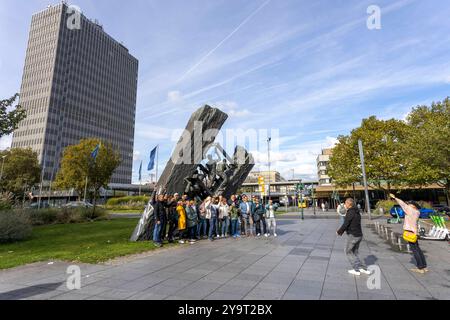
[77, 83]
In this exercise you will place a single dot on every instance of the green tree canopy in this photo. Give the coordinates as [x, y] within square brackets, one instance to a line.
[428, 145]
[10, 116]
[21, 170]
[385, 165]
[77, 164]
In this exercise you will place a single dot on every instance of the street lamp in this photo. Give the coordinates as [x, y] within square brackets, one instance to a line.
[268, 160]
[1, 171]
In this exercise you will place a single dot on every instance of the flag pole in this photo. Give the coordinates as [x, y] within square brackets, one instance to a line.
[157, 157]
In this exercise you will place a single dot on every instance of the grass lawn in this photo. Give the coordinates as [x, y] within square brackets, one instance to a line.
[90, 242]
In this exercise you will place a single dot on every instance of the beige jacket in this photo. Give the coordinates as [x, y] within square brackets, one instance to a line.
[411, 217]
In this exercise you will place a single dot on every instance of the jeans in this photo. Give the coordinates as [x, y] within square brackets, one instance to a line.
[173, 224]
[212, 227]
[243, 224]
[351, 251]
[157, 233]
[257, 224]
[225, 225]
[264, 224]
[234, 227]
[418, 255]
[201, 228]
[271, 223]
[192, 231]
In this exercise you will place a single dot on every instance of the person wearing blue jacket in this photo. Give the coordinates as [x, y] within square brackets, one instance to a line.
[246, 208]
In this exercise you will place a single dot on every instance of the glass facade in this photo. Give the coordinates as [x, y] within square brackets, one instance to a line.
[77, 83]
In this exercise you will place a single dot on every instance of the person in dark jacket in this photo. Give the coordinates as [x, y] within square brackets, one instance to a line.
[172, 216]
[258, 217]
[160, 220]
[352, 225]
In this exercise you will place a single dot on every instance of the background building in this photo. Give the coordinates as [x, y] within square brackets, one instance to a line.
[323, 161]
[272, 176]
[77, 83]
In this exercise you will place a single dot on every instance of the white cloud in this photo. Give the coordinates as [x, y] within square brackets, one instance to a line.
[5, 142]
[232, 109]
[136, 155]
[174, 96]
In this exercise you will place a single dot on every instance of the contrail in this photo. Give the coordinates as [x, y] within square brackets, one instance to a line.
[223, 41]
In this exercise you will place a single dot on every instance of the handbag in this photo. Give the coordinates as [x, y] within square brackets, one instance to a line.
[409, 236]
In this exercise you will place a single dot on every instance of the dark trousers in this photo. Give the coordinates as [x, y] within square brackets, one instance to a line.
[163, 230]
[264, 225]
[418, 255]
[173, 224]
[212, 227]
[192, 232]
[257, 226]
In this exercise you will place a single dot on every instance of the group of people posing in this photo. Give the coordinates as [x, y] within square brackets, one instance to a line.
[187, 220]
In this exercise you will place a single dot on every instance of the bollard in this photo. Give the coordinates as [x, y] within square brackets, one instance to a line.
[399, 243]
[393, 237]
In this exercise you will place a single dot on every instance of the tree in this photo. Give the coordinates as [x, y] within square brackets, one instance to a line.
[428, 145]
[9, 120]
[344, 167]
[77, 164]
[21, 170]
[384, 159]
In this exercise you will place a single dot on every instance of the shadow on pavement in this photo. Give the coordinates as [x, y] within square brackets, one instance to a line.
[30, 291]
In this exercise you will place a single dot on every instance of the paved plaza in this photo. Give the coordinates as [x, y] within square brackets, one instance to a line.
[306, 261]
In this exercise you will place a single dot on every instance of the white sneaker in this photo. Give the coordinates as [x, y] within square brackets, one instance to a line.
[354, 272]
[275, 235]
[364, 271]
[258, 235]
[266, 235]
[181, 241]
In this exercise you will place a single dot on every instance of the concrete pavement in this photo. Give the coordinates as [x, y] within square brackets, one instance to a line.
[306, 261]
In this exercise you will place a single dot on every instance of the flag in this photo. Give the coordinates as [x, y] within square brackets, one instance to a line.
[94, 152]
[151, 164]
[140, 172]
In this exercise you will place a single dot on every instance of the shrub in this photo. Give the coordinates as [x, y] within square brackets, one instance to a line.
[63, 215]
[384, 205]
[127, 203]
[14, 226]
[42, 216]
[6, 201]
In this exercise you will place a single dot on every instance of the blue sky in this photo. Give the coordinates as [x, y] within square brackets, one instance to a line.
[310, 69]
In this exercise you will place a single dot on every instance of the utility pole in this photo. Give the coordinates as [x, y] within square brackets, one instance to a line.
[1, 171]
[268, 161]
[366, 190]
[40, 186]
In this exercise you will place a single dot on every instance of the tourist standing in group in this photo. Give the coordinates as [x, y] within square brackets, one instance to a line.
[270, 218]
[192, 220]
[246, 209]
[234, 220]
[257, 215]
[160, 217]
[181, 221]
[352, 225]
[172, 216]
[224, 215]
[410, 226]
[202, 222]
[212, 214]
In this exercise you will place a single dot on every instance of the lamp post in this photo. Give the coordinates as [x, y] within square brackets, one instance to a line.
[1, 171]
[363, 168]
[268, 161]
